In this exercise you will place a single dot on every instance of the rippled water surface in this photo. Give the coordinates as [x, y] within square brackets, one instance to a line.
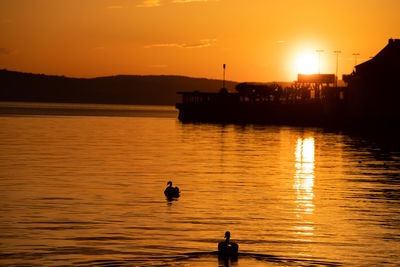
[83, 185]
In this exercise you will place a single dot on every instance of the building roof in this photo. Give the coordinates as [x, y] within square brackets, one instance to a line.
[386, 62]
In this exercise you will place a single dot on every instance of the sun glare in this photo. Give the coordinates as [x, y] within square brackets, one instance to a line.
[307, 64]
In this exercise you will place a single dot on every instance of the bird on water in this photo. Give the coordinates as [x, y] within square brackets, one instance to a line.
[170, 191]
[227, 248]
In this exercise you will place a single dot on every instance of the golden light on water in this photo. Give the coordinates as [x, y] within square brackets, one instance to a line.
[287, 194]
[304, 175]
[304, 186]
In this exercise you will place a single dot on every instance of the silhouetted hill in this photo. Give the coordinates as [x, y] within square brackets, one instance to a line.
[121, 89]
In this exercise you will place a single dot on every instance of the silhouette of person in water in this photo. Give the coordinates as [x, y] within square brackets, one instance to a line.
[171, 192]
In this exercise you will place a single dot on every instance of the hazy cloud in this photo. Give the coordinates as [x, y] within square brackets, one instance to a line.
[115, 7]
[158, 66]
[5, 51]
[156, 3]
[190, 1]
[201, 44]
[281, 41]
[5, 21]
[161, 45]
[149, 3]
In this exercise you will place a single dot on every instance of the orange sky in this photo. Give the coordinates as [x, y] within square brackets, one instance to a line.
[259, 40]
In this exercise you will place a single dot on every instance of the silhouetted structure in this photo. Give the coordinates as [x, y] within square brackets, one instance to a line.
[171, 192]
[374, 89]
[370, 97]
[227, 248]
[307, 101]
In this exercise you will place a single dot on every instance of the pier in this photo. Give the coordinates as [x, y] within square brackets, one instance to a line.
[371, 96]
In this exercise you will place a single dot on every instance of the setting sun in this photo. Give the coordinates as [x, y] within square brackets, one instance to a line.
[93, 38]
[307, 64]
[199, 133]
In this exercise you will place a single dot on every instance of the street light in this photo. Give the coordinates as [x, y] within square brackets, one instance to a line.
[223, 82]
[355, 58]
[337, 59]
[319, 59]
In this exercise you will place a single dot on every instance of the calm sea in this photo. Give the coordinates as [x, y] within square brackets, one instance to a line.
[83, 185]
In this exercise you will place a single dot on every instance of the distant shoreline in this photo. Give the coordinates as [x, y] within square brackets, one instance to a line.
[121, 89]
[82, 109]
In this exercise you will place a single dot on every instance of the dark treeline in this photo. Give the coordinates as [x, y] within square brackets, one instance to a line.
[121, 89]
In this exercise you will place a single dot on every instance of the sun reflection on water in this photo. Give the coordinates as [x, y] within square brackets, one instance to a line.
[304, 182]
[304, 176]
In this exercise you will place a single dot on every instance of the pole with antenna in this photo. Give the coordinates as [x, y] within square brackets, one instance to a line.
[319, 51]
[223, 81]
[355, 58]
[337, 59]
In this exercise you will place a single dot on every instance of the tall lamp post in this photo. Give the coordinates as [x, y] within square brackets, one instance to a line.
[319, 60]
[355, 58]
[223, 81]
[337, 59]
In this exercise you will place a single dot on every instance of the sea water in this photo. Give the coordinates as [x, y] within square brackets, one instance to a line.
[83, 185]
